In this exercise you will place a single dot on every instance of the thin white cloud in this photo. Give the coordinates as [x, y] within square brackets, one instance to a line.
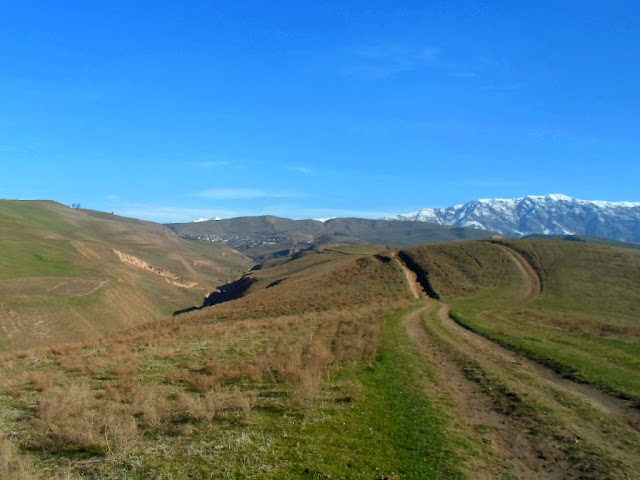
[213, 164]
[169, 214]
[322, 213]
[304, 170]
[112, 197]
[242, 194]
[386, 59]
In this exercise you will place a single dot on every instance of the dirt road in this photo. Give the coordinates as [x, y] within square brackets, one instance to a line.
[524, 443]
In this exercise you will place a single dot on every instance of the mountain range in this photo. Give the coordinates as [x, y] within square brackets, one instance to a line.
[554, 214]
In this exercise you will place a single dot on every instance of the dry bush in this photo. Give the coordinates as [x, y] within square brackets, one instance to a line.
[213, 369]
[42, 380]
[12, 465]
[151, 403]
[199, 382]
[125, 370]
[231, 398]
[357, 338]
[67, 419]
[95, 365]
[70, 363]
[196, 408]
[72, 419]
[349, 390]
[119, 429]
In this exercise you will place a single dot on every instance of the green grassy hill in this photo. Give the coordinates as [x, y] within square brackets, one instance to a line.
[68, 275]
[585, 320]
[331, 365]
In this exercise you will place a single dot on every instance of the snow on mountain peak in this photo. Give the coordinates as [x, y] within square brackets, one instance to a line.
[553, 214]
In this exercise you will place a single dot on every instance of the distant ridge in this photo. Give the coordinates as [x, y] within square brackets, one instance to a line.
[263, 237]
[554, 214]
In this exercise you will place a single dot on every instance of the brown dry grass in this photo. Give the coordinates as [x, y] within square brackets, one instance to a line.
[14, 466]
[112, 396]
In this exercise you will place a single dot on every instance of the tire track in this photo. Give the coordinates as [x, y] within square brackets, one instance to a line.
[506, 440]
[532, 281]
[527, 455]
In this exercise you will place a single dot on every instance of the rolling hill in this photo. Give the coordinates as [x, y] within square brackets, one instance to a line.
[339, 362]
[264, 237]
[69, 275]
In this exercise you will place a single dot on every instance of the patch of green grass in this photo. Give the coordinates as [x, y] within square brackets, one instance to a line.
[393, 430]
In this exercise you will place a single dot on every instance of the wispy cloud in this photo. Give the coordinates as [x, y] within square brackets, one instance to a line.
[173, 214]
[387, 59]
[323, 213]
[112, 197]
[212, 164]
[304, 170]
[242, 194]
[167, 214]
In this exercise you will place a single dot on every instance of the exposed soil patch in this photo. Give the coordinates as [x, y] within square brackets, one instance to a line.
[420, 274]
[170, 277]
[412, 278]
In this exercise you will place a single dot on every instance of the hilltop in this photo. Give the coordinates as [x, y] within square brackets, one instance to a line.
[69, 274]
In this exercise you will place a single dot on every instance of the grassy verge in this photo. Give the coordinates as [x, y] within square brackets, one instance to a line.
[608, 363]
[558, 427]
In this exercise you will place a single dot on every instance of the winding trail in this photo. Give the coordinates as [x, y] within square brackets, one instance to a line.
[504, 437]
[532, 281]
[517, 450]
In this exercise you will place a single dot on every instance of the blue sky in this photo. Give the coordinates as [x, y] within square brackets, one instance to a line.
[172, 111]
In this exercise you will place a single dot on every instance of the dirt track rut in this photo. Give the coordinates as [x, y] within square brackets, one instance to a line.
[517, 450]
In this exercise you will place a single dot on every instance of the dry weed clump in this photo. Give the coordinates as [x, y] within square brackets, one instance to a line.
[41, 380]
[151, 403]
[232, 399]
[357, 337]
[12, 465]
[196, 408]
[200, 382]
[72, 419]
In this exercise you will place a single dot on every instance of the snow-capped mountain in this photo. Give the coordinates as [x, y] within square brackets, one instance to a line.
[550, 215]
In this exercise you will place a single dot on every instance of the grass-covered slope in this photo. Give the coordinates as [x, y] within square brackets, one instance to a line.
[299, 379]
[68, 275]
[572, 306]
[329, 367]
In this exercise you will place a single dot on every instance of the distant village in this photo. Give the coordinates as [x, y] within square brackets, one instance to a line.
[243, 242]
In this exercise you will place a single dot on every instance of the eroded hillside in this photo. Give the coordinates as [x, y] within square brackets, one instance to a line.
[68, 275]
